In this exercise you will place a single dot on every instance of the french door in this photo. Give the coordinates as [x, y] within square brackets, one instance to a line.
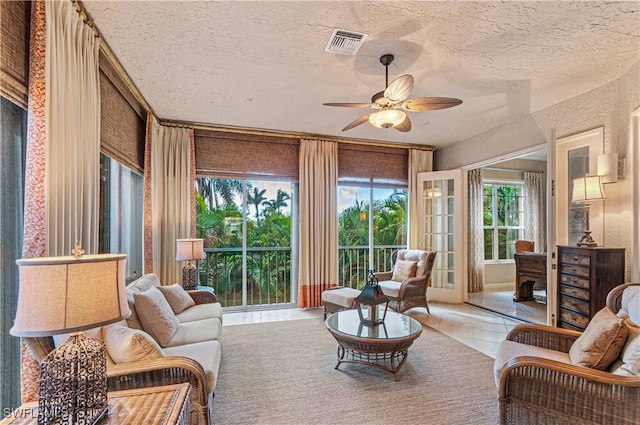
[440, 226]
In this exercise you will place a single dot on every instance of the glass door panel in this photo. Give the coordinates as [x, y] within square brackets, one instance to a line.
[441, 231]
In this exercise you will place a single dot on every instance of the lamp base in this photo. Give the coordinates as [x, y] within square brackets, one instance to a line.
[73, 383]
[189, 281]
[587, 240]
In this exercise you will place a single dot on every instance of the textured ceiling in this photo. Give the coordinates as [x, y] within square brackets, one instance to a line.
[262, 64]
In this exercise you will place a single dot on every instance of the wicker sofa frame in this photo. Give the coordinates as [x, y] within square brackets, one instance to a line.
[151, 373]
[534, 390]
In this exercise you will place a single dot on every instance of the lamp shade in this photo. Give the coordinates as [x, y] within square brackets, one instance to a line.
[189, 249]
[587, 188]
[68, 294]
[387, 118]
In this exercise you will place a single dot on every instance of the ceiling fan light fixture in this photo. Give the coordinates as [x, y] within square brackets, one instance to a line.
[387, 118]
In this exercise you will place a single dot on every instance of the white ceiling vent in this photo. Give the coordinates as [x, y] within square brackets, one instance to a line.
[345, 42]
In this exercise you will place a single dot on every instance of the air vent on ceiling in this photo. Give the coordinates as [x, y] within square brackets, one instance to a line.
[345, 42]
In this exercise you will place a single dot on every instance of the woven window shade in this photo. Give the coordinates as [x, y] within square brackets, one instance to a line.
[379, 165]
[14, 50]
[122, 119]
[245, 156]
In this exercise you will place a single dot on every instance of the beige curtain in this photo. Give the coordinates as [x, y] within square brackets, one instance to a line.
[419, 162]
[318, 221]
[534, 228]
[475, 261]
[169, 197]
[72, 178]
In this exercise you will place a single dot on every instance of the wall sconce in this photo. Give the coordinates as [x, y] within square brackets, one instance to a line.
[610, 167]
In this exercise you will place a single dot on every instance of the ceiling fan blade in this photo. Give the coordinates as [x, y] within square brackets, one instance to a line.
[400, 88]
[404, 126]
[349, 105]
[430, 103]
[357, 122]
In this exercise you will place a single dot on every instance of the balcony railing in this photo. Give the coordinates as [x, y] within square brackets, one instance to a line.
[269, 279]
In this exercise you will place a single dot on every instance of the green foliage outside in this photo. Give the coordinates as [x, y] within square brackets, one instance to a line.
[268, 228]
[507, 214]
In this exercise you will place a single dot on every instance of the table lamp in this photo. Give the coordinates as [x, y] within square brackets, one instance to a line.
[59, 295]
[585, 190]
[189, 250]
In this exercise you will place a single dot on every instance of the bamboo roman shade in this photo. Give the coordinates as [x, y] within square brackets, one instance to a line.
[245, 156]
[14, 54]
[122, 119]
[371, 164]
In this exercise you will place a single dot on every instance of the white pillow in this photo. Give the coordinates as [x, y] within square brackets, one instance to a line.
[156, 315]
[630, 356]
[177, 297]
[126, 345]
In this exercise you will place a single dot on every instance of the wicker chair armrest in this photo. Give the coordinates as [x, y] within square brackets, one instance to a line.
[383, 275]
[544, 336]
[162, 371]
[413, 286]
[567, 389]
[203, 296]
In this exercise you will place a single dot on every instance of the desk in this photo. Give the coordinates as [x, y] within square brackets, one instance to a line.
[531, 268]
[165, 405]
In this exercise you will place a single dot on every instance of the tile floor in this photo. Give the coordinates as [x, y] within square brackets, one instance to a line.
[477, 328]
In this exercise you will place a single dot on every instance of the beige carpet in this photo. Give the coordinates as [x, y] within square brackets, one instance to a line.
[283, 373]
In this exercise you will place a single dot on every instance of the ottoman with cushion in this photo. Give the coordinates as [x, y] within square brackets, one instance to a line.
[338, 298]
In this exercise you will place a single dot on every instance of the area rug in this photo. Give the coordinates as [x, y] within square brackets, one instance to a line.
[283, 373]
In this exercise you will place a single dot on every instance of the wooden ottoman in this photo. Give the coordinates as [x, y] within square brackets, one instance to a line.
[338, 298]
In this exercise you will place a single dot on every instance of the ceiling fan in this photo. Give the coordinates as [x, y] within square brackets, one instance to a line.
[392, 102]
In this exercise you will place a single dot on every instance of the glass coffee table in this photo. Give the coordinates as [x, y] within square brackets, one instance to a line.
[385, 346]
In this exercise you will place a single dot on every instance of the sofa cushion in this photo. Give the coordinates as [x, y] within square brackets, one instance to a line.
[177, 297]
[198, 331]
[601, 342]
[629, 362]
[509, 349]
[129, 345]
[404, 269]
[630, 307]
[201, 311]
[390, 288]
[156, 315]
[139, 285]
[207, 353]
[417, 255]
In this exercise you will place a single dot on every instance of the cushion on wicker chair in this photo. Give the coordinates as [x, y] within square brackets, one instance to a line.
[601, 342]
[404, 269]
[629, 362]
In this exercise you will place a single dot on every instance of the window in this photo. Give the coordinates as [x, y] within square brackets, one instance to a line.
[372, 223]
[121, 195]
[503, 219]
[248, 231]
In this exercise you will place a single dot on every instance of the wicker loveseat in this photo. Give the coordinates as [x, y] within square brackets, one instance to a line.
[538, 384]
[192, 355]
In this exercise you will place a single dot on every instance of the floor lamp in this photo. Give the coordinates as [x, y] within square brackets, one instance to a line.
[585, 190]
[189, 250]
[61, 295]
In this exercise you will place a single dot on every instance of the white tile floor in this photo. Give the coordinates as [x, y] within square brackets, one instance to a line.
[477, 328]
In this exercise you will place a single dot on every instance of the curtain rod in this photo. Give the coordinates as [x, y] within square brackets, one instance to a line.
[518, 170]
[240, 130]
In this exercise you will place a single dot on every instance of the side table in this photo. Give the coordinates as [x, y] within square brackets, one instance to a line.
[165, 405]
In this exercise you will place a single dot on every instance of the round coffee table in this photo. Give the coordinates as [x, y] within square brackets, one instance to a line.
[384, 346]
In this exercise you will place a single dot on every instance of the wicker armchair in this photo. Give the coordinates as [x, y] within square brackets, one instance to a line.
[541, 391]
[412, 291]
[150, 373]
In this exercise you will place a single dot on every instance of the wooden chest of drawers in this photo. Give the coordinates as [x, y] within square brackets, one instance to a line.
[585, 277]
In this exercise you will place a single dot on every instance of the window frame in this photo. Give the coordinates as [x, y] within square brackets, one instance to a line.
[495, 183]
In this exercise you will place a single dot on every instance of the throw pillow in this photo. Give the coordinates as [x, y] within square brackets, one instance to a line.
[126, 345]
[156, 315]
[404, 269]
[601, 342]
[177, 297]
[630, 356]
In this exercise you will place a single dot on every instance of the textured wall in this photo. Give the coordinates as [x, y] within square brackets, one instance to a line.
[610, 106]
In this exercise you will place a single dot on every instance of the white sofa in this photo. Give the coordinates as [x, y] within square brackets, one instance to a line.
[141, 353]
